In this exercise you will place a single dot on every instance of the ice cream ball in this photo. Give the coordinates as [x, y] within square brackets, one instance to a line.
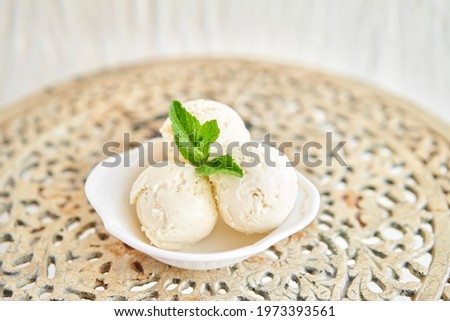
[262, 199]
[232, 127]
[174, 204]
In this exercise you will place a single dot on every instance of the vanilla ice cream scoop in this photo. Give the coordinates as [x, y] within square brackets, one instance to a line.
[174, 204]
[260, 200]
[232, 128]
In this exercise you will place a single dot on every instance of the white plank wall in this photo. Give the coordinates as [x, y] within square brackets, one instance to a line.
[400, 46]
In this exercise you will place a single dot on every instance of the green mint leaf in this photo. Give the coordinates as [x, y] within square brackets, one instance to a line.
[207, 134]
[209, 131]
[194, 141]
[185, 129]
[224, 164]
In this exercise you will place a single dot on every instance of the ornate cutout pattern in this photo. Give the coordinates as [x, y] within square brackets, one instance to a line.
[383, 230]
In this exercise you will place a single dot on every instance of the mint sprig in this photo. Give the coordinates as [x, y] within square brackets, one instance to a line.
[223, 164]
[194, 141]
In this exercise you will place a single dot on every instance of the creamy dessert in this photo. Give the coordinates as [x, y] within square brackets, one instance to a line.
[260, 200]
[179, 205]
[232, 127]
[175, 205]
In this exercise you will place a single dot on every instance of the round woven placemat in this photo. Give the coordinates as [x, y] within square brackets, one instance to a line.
[383, 230]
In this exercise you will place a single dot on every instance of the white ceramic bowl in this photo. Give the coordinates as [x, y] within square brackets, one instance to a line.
[108, 189]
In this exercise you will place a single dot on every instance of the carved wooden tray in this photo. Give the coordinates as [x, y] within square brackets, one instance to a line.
[383, 231]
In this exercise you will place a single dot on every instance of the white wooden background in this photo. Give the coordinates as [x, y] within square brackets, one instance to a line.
[401, 46]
